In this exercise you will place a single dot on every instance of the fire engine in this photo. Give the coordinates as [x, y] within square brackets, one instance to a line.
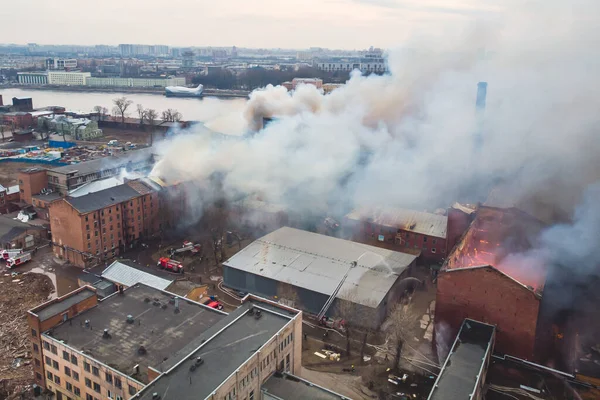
[170, 265]
[6, 254]
[18, 260]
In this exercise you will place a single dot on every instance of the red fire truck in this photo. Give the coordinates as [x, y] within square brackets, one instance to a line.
[170, 265]
[6, 254]
[18, 260]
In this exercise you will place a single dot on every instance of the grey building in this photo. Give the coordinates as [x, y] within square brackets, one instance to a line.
[323, 275]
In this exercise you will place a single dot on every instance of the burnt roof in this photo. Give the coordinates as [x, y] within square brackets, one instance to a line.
[163, 332]
[103, 198]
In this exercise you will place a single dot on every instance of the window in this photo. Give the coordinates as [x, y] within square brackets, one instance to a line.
[76, 391]
[96, 387]
[86, 366]
[433, 250]
[75, 375]
[88, 382]
[46, 345]
[109, 394]
[66, 356]
[67, 371]
[36, 348]
[33, 333]
[55, 365]
[88, 397]
[434, 241]
[118, 383]
[69, 386]
[108, 377]
[424, 239]
[119, 397]
[48, 360]
[95, 371]
[132, 390]
[57, 379]
[38, 376]
[251, 396]
[38, 363]
[49, 375]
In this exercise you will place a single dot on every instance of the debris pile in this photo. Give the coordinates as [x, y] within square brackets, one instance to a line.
[19, 293]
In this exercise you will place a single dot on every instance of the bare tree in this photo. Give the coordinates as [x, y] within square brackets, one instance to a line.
[141, 113]
[121, 105]
[101, 111]
[104, 113]
[151, 116]
[402, 319]
[171, 115]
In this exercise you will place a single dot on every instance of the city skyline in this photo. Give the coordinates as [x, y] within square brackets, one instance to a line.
[335, 24]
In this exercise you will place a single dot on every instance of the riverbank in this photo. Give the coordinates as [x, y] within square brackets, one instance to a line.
[157, 91]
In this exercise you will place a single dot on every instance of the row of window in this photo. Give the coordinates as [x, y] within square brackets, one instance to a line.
[286, 341]
[56, 379]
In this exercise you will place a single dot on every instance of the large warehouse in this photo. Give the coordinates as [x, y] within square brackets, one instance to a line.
[310, 271]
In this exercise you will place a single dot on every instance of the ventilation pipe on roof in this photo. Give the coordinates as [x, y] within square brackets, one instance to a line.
[130, 319]
[176, 305]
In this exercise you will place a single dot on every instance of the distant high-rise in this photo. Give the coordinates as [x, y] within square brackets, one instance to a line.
[481, 96]
[188, 59]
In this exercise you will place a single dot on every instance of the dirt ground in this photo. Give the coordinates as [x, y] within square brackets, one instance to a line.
[18, 294]
[125, 135]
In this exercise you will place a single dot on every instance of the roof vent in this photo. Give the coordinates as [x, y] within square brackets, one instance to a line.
[176, 305]
[258, 314]
[199, 361]
[172, 300]
[87, 323]
[251, 311]
[130, 319]
[155, 396]
[147, 300]
[192, 367]
[156, 303]
[112, 199]
[106, 335]
[164, 306]
[142, 350]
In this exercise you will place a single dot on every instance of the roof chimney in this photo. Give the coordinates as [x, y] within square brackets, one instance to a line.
[130, 319]
[176, 305]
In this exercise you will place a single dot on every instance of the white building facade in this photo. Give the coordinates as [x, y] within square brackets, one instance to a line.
[32, 78]
[135, 82]
[68, 78]
[60, 63]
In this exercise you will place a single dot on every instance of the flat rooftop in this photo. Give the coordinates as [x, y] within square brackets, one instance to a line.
[162, 332]
[62, 304]
[289, 387]
[400, 218]
[318, 263]
[461, 372]
[224, 349]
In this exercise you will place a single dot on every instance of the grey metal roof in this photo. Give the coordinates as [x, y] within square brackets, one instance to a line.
[123, 274]
[462, 370]
[11, 228]
[104, 198]
[400, 218]
[318, 263]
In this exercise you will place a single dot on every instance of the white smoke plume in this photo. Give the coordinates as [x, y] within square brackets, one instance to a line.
[407, 138]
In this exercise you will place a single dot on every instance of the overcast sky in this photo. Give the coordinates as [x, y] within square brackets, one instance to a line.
[350, 24]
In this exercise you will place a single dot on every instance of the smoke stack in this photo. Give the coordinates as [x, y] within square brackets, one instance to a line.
[481, 96]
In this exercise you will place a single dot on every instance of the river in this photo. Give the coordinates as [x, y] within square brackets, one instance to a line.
[222, 115]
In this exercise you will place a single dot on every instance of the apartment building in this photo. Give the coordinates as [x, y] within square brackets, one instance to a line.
[125, 347]
[60, 63]
[98, 226]
[65, 78]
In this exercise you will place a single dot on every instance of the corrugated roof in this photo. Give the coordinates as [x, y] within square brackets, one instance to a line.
[102, 199]
[96, 186]
[123, 274]
[400, 218]
[318, 263]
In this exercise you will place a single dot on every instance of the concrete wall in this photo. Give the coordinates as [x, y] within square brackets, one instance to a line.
[485, 294]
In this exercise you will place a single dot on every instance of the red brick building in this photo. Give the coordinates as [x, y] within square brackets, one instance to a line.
[98, 226]
[478, 281]
[400, 230]
[31, 182]
[9, 197]
[18, 119]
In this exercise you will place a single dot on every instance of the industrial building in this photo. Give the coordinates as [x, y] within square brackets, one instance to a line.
[136, 82]
[321, 274]
[100, 225]
[478, 281]
[15, 234]
[60, 63]
[32, 78]
[400, 229]
[68, 78]
[145, 343]
[9, 197]
[463, 373]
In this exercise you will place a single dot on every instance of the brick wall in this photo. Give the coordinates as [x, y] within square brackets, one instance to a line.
[458, 222]
[31, 183]
[486, 295]
[67, 228]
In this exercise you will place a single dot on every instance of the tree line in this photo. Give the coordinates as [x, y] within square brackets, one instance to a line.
[150, 116]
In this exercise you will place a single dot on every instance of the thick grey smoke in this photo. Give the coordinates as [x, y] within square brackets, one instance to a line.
[407, 139]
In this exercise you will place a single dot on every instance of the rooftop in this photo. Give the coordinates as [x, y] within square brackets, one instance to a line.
[102, 199]
[48, 196]
[163, 332]
[399, 218]
[462, 370]
[62, 304]
[224, 348]
[96, 186]
[118, 161]
[11, 228]
[289, 387]
[318, 263]
[127, 273]
[494, 234]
